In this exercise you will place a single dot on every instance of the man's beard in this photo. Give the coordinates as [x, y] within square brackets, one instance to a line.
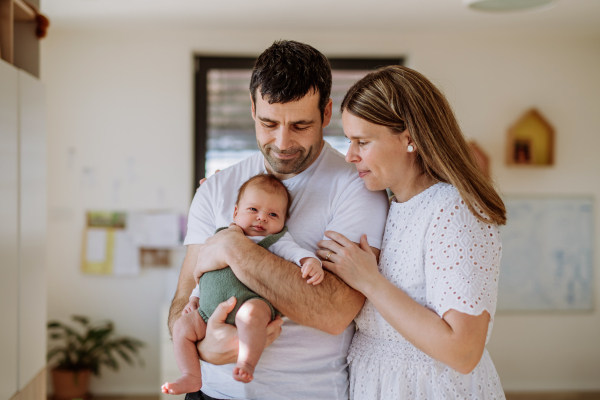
[292, 166]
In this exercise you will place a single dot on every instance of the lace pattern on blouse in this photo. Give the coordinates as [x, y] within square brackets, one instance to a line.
[437, 252]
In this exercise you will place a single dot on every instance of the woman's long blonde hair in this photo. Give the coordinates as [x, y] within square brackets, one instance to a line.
[401, 98]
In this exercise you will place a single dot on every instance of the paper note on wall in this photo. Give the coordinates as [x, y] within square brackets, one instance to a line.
[98, 251]
[96, 245]
[126, 255]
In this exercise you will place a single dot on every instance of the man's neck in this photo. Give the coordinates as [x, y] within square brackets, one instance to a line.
[283, 177]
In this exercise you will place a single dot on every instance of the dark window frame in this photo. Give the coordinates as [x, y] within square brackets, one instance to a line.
[206, 63]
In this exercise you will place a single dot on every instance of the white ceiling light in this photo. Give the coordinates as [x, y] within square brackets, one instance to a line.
[507, 5]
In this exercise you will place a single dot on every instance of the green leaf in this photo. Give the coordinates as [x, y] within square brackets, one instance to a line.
[124, 356]
[94, 348]
[81, 319]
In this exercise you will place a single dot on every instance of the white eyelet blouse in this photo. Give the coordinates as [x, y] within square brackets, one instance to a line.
[443, 257]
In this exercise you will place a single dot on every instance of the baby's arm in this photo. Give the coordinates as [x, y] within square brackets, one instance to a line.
[311, 266]
[194, 302]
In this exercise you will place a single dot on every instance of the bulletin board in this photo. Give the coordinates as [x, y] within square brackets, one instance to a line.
[547, 254]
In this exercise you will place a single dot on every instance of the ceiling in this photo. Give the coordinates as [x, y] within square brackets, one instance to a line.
[579, 16]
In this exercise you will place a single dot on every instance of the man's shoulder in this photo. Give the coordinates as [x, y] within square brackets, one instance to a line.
[334, 163]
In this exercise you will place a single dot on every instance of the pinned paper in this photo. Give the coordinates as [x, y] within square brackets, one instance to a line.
[118, 243]
[126, 255]
[96, 245]
[98, 251]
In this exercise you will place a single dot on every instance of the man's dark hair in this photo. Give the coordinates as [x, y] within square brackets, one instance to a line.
[288, 70]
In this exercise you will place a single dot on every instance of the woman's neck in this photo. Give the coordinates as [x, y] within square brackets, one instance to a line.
[417, 184]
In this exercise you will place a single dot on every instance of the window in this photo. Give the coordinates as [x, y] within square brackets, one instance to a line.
[224, 128]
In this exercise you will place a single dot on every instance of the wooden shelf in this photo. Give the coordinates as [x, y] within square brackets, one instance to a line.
[18, 24]
[530, 141]
[22, 12]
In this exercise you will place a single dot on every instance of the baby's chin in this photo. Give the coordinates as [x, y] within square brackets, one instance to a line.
[250, 231]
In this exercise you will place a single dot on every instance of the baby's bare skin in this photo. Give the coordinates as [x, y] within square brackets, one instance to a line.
[252, 319]
[189, 329]
[258, 213]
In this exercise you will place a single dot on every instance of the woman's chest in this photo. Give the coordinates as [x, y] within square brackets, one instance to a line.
[402, 259]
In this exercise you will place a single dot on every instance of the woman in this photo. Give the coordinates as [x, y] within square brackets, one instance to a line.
[431, 301]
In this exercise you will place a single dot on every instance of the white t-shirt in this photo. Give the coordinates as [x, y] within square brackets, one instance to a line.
[285, 248]
[303, 363]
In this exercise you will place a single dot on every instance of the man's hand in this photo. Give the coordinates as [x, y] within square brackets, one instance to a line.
[220, 345]
[212, 255]
[191, 306]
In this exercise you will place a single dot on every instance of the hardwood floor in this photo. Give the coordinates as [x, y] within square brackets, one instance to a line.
[156, 397]
[553, 396]
[509, 396]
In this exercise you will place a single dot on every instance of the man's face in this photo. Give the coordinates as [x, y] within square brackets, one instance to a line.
[290, 135]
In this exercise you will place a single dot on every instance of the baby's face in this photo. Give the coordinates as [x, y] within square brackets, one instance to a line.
[260, 213]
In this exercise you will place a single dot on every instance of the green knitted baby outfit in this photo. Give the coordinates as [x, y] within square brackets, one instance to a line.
[218, 286]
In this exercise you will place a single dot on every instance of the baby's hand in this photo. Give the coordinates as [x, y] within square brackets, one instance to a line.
[191, 306]
[312, 267]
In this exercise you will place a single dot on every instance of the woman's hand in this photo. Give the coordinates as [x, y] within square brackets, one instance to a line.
[357, 266]
[213, 253]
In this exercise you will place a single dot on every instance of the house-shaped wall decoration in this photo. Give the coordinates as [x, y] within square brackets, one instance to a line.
[530, 141]
[482, 159]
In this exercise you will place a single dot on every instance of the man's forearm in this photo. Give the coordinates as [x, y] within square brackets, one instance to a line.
[175, 312]
[185, 285]
[329, 306]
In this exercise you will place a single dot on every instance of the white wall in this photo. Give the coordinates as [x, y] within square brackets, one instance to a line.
[122, 97]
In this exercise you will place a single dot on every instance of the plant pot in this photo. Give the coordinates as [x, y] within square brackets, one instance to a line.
[70, 385]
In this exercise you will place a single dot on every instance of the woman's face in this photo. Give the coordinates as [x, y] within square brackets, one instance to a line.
[381, 158]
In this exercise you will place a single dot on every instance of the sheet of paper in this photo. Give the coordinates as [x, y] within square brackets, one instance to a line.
[161, 230]
[98, 251]
[126, 260]
[96, 245]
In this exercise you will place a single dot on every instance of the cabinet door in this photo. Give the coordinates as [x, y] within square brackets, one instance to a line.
[8, 230]
[32, 237]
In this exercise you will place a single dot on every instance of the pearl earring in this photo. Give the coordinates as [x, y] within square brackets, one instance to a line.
[411, 148]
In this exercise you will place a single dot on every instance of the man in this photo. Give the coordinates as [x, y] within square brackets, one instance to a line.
[290, 88]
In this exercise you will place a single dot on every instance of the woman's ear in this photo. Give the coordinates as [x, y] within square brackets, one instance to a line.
[408, 142]
[405, 138]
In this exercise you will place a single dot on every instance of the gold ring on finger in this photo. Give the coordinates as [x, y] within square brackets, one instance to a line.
[327, 257]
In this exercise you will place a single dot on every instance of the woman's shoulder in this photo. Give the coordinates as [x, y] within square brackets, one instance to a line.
[449, 206]
[445, 195]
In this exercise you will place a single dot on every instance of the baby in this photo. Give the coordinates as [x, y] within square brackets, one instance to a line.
[261, 209]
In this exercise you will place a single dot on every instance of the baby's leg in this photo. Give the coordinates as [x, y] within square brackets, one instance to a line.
[251, 320]
[189, 329]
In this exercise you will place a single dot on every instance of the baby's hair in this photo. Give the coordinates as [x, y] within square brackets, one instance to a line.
[269, 183]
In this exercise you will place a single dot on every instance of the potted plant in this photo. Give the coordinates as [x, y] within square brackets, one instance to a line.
[80, 352]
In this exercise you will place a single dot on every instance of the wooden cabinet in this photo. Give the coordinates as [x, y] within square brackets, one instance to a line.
[19, 44]
[32, 228]
[23, 218]
[9, 250]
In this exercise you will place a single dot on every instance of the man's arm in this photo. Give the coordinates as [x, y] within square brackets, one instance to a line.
[185, 285]
[330, 306]
[220, 346]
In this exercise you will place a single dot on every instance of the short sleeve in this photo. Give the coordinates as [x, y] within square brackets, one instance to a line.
[462, 259]
[201, 218]
[358, 211]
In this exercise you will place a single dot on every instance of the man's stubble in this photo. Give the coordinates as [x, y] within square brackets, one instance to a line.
[293, 166]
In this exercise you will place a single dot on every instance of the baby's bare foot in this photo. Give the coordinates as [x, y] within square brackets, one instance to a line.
[185, 384]
[243, 372]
